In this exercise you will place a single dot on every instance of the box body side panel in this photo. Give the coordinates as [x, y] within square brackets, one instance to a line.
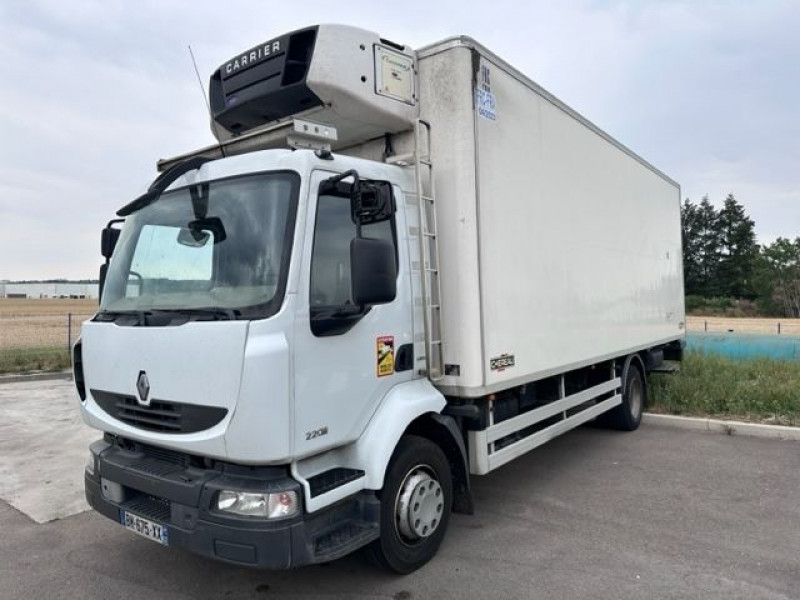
[580, 243]
[557, 245]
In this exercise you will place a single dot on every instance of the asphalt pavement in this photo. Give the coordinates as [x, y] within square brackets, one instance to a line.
[658, 513]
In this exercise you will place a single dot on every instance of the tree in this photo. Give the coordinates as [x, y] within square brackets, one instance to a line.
[708, 245]
[778, 277]
[701, 247]
[692, 271]
[738, 250]
[722, 259]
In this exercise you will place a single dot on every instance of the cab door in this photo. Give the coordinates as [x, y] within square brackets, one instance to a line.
[346, 357]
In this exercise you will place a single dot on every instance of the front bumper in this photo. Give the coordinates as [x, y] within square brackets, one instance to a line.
[174, 491]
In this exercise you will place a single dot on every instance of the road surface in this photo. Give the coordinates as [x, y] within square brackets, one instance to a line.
[658, 513]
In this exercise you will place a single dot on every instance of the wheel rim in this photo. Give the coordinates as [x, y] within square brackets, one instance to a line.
[419, 505]
[635, 397]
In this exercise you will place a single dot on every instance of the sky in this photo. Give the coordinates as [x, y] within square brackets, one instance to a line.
[92, 93]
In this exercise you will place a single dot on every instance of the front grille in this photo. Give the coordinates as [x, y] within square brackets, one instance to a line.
[155, 467]
[149, 507]
[160, 462]
[163, 454]
[160, 415]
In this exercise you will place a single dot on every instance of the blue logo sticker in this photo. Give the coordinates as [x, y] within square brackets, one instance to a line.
[486, 104]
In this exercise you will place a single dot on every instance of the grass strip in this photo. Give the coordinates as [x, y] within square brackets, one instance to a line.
[43, 358]
[760, 390]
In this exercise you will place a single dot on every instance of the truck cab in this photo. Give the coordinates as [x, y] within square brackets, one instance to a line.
[233, 326]
[237, 279]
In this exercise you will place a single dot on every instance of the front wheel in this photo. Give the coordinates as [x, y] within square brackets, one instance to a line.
[416, 501]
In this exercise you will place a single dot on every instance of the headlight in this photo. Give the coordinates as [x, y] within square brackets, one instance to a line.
[90, 464]
[271, 506]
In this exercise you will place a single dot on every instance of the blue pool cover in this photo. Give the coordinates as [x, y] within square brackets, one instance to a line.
[745, 345]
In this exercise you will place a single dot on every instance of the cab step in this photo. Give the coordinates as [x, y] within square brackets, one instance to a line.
[324, 482]
[347, 537]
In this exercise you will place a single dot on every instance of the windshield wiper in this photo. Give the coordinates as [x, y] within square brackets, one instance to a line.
[230, 314]
[113, 315]
[141, 316]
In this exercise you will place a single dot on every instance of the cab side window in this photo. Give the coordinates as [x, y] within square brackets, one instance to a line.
[330, 259]
[331, 292]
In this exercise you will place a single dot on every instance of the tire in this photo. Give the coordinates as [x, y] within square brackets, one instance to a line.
[628, 415]
[418, 483]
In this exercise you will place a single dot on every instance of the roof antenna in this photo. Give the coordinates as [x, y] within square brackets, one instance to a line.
[205, 99]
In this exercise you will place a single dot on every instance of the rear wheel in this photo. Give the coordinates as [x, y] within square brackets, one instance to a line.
[628, 415]
[416, 500]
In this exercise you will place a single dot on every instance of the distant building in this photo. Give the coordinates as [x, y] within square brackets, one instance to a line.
[48, 290]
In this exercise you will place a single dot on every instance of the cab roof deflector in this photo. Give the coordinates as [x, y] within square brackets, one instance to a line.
[161, 183]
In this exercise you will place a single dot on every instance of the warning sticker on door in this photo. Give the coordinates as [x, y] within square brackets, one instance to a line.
[385, 349]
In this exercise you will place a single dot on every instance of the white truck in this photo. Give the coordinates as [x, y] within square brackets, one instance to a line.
[395, 269]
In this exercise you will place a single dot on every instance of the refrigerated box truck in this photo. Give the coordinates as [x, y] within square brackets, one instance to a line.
[395, 269]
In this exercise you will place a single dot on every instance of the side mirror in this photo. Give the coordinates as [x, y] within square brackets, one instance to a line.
[372, 202]
[373, 271]
[109, 238]
[108, 241]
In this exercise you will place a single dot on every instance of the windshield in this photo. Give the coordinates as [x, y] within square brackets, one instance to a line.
[217, 245]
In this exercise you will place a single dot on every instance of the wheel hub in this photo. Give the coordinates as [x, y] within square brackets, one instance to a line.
[419, 506]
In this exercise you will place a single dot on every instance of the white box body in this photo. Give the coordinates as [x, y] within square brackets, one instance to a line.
[558, 245]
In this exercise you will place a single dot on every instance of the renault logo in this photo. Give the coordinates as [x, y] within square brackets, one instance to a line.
[143, 387]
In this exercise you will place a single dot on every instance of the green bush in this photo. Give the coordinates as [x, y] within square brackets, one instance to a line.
[708, 385]
[694, 303]
[721, 307]
[22, 360]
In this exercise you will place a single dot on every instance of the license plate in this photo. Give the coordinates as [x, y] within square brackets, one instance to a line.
[145, 527]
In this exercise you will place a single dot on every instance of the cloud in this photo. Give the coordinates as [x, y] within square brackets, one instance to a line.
[94, 92]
